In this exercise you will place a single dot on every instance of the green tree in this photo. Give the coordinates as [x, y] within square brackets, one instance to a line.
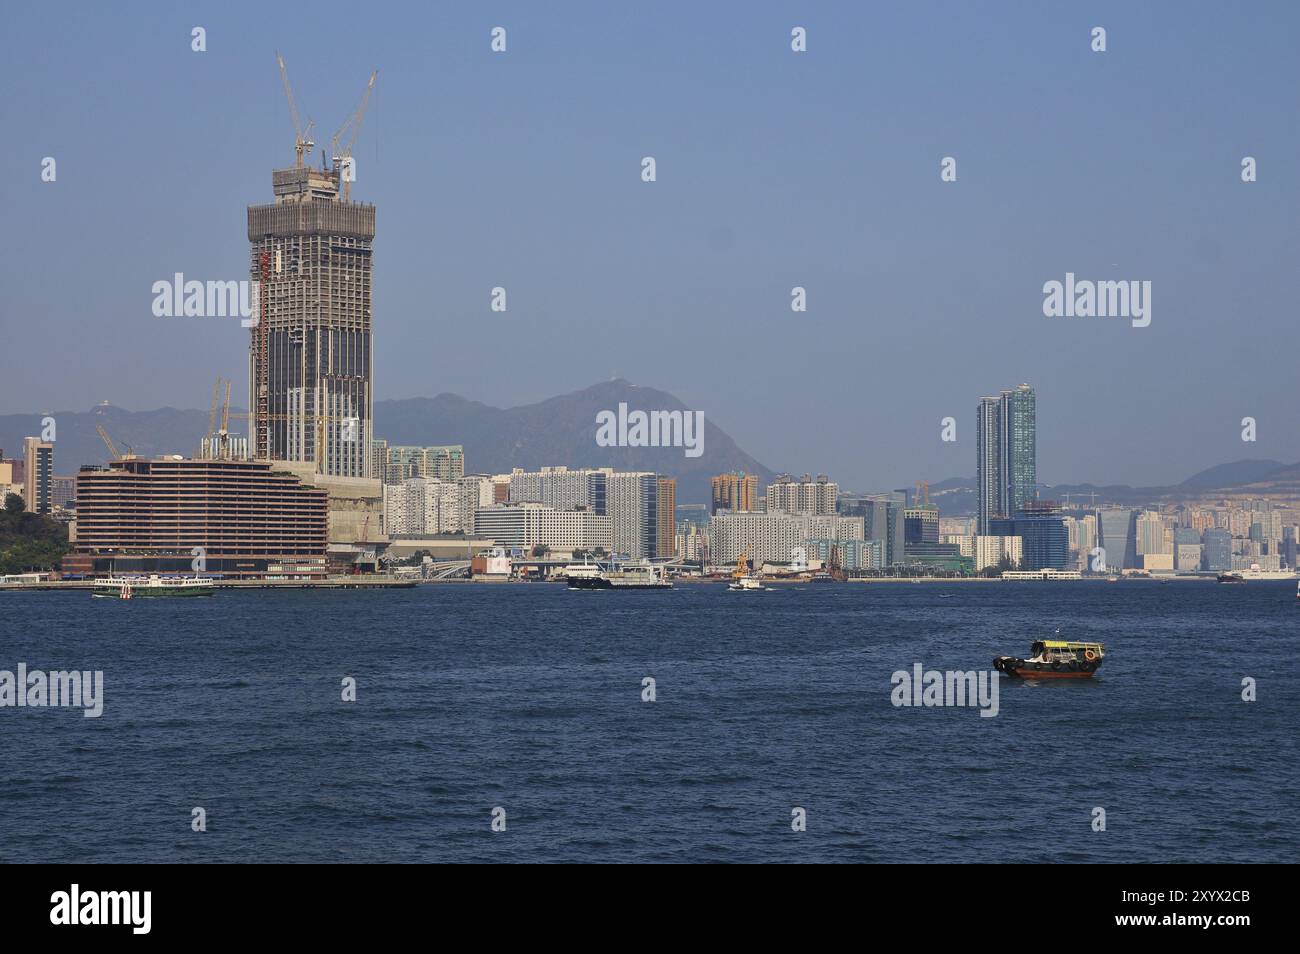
[14, 504]
[29, 541]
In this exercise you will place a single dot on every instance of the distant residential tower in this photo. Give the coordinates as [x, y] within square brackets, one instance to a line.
[1006, 454]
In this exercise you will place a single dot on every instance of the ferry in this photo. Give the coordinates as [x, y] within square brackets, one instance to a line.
[1256, 572]
[129, 587]
[1054, 659]
[618, 576]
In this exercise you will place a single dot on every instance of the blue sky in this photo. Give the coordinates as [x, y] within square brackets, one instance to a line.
[775, 169]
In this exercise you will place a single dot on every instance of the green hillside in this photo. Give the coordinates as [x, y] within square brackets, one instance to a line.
[28, 541]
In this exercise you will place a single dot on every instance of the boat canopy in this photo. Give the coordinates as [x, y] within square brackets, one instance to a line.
[1065, 644]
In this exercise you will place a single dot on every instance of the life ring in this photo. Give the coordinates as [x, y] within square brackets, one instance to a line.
[1090, 655]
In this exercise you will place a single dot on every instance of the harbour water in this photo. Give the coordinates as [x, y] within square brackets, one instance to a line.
[529, 698]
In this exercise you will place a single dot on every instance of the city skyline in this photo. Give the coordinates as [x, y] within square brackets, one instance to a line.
[85, 448]
[669, 434]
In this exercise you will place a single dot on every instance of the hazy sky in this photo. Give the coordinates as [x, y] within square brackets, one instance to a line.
[775, 169]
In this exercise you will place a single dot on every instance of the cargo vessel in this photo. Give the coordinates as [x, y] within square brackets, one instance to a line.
[621, 576]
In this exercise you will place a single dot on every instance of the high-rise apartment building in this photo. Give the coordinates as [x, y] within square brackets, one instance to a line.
[666, 545]
[560, 487]
[38, 482]
[310, 352]
[1006, 454]
[988, 463]
[396, 463]
[774, 537]
[990, 552]
[1019, 448]
[630, 499]
[735, 492]
[529, 525]
[476, 490]
[425, 506]
[805, 495]
[1150, 537]
[632, 503]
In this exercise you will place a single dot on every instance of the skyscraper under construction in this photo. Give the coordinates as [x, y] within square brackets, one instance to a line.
[310, 355]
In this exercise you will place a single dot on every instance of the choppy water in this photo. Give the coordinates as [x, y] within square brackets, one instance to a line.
[529, 698]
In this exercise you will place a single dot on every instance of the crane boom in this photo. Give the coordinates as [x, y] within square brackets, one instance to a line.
[212, 412]
[108, 442]
[353, 125]
[301, 144]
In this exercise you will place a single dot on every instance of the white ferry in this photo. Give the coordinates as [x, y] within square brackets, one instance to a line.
[129, 587]
[1255, 572]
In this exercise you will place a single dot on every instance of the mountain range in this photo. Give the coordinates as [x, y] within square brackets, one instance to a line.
[956, 496]
[561, 430]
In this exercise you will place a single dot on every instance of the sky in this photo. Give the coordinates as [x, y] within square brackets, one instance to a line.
[775, 169]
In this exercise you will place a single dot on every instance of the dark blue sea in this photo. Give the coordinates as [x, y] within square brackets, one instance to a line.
[529, 698]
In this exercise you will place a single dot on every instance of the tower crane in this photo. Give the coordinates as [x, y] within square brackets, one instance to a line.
[225, 411]
[351, 126]
[302, 144]
[112, 448]
[212, 412]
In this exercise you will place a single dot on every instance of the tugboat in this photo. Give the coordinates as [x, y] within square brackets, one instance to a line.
[1231, 578]
[1054, 659]
[742, 579]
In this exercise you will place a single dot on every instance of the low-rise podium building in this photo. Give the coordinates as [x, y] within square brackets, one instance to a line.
[234, 518]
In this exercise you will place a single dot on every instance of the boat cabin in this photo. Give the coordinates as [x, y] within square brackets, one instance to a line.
[1061, 650]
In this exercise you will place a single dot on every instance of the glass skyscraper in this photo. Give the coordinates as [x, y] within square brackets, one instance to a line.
[1115, 526]
[1006, 454]
[1217, 553]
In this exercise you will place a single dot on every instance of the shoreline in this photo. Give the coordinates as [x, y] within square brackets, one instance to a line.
[389, 583]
